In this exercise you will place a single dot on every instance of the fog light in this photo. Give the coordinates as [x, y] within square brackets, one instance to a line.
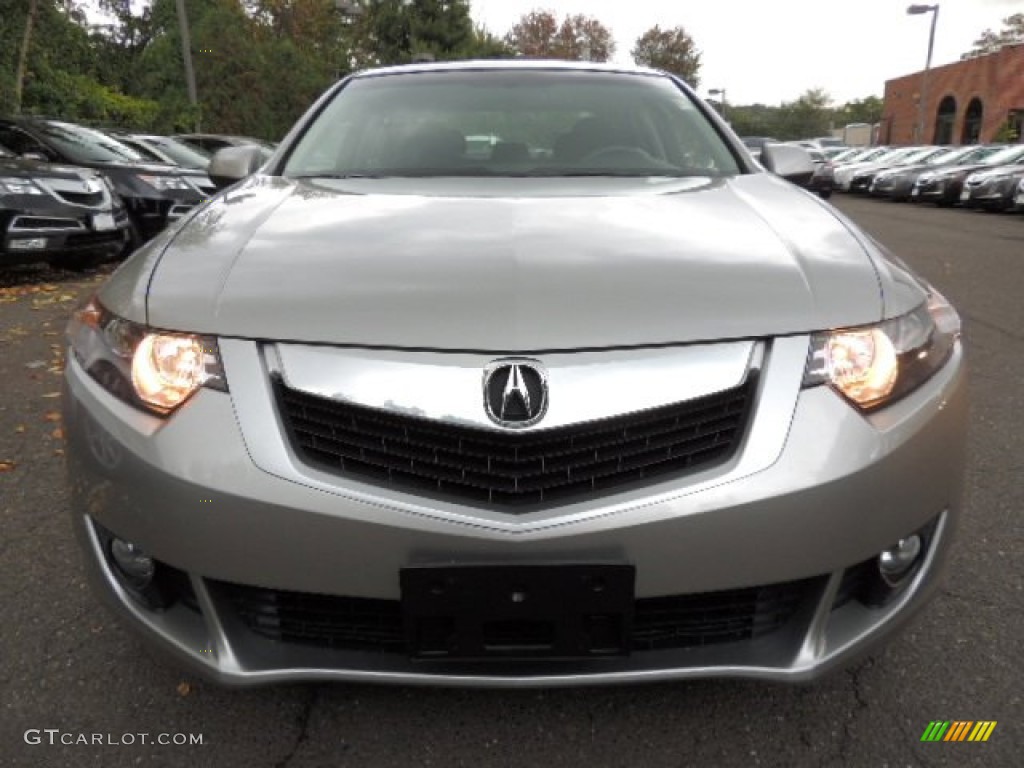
[27, 244]
[135, 566]
[896, 562]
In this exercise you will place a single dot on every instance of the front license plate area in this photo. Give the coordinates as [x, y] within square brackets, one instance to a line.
[103, 222]
[518, 612]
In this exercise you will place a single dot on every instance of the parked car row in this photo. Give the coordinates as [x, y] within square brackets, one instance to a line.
[988, 176]
[74, 196]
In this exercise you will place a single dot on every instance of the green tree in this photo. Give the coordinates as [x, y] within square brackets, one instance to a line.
[1012, 33]
[807, 117]
[396, 31]
[866, 110]
[755, 120]
[485, 45]
[672, 50]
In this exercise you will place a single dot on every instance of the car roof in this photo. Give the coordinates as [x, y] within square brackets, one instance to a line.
[523, 65]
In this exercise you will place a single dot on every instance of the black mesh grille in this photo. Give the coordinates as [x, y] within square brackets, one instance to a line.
[685, 621]
[89, 240]
[46, 222]
[659, 623]
[509, 469]
[349, 623]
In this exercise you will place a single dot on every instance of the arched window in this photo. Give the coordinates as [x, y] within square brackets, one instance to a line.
[972, 122]
[944, 120]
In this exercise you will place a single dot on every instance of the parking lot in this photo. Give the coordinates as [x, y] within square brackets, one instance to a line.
[68, 666]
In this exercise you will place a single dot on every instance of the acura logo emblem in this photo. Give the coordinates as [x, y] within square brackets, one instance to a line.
[515, 392]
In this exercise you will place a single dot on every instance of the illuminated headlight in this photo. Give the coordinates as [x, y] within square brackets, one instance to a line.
[14, 186]
[875, 365]
[164, 182]
[150, 369]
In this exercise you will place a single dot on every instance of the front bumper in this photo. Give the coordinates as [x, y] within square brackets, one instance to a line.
[152, 214]
[57, 234]
[943, 192]
[993, 195]
[841, 489]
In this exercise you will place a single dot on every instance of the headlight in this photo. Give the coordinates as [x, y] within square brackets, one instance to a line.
[163, 182]
[15, 186]
[876, 365]
[150, 369]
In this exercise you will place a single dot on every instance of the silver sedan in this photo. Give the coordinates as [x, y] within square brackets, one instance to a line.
[594, 398]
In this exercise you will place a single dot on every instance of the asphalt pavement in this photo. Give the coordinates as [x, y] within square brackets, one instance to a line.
[69, 672]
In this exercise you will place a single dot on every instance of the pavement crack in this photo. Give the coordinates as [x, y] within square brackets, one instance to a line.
[1016, 335]
[303, 723]
[847, 739]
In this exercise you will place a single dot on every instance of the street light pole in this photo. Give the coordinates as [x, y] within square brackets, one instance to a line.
[186, 54]
[720, 92]
[915, 10]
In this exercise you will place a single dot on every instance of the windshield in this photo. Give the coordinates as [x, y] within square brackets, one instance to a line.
[949, 155]
[976, 154]
[896, 156]
[511, 123]
[85, 145]
[1005, 156]
[876, 154]
[921, 155]
[848, 155]
[179, 152]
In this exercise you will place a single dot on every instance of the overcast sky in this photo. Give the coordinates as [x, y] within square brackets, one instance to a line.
[770, 52]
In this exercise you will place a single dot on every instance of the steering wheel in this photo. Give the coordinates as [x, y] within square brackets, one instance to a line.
[620, 153]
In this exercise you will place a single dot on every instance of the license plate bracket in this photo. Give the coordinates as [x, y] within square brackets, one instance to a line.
[103, 222]
[518, 612]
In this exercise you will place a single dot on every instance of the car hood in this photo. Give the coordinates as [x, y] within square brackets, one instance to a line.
[956, 170]
[997, 171]
[525, 265]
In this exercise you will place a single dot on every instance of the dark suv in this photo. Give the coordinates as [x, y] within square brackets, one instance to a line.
[155, 194]
[70, 217]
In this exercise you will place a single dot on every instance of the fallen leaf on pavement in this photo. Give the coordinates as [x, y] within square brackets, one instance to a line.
[51, 416]
[20, 428]
[7, 466]
[50, 395]
[184, 689]
[58, 433]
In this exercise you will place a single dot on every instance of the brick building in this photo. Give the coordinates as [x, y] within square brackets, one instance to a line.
[968, 102]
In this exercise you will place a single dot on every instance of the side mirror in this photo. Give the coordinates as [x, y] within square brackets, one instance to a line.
[791, 163]
[232, 164]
